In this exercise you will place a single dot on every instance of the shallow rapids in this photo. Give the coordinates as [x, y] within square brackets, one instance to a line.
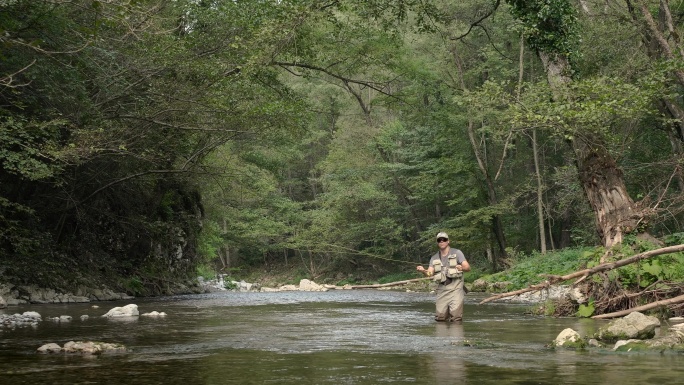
[336, 337]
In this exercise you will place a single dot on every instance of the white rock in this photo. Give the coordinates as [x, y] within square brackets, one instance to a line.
[307, 285]
[154, 314]
[634, 325]
[130, 310]
[567, 336]
[575, 295]
[90, 347]
[32, 314]
[624, 342]
[50, 348]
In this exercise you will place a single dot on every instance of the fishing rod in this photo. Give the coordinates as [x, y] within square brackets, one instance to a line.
[364, 253]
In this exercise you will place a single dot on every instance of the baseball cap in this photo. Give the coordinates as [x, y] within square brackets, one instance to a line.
[442, 235]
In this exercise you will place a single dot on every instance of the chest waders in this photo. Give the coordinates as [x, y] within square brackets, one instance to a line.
[450, 293]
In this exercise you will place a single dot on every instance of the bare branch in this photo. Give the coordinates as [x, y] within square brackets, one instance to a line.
[652, 305]
[553, 279]
[477, 22]
[377, 86]
[7, 80]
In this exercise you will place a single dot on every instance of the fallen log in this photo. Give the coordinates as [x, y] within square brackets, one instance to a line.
[582, 274]
[652, 305]
[389, 284]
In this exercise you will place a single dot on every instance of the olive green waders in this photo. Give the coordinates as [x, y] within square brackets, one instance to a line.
[449, 301]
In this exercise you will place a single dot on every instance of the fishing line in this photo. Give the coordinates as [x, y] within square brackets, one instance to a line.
[364, 253]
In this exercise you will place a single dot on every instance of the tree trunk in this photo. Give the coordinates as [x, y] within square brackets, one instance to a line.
[497, 225]
[478, 151]
[615, 212]
[540, 194]
[535, 152]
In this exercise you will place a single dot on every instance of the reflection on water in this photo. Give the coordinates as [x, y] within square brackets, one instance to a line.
[338, 337]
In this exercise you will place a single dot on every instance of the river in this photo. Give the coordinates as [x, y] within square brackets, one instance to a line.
[335, 337]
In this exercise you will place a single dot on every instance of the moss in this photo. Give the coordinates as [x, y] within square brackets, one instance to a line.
[607, 336]
[636, 347]
[580, 344]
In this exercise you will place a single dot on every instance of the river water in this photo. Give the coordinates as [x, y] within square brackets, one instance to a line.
[335, 337]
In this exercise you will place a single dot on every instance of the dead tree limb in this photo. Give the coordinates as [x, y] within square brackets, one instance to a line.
[389, 284]
[652, 305]
[582, 274]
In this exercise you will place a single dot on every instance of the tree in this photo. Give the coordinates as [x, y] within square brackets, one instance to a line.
[550, 31]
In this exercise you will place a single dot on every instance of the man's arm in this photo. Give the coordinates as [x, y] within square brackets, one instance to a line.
[428, 272]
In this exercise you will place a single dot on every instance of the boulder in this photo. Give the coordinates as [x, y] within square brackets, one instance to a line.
[307, 285]
[82, 347]
[50, 348]
[568, 338]
[288, 288]
[90, 347]
[154, 314]
[244, 286]
[32, 314]
[575, 295]
[130, 310]
[671, 340]
[479, 285]
[634, 326]
[28, 318]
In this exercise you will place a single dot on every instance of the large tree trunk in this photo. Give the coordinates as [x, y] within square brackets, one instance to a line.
[615, 212]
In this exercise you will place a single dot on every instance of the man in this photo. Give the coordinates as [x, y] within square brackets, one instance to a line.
[446, 268]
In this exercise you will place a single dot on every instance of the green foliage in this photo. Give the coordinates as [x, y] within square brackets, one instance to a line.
[667, 268]
[206, 271]
[133, 285]
[25, 147]
[586, 310]
[230, 285]
[336, 136]
[209, 241]
[528, 270]
[548, 25]
[396, 277]
[674, 239]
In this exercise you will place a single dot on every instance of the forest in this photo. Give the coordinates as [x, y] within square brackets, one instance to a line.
[144, 141]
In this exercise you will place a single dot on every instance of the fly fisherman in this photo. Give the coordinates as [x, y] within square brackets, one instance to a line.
[446, 269]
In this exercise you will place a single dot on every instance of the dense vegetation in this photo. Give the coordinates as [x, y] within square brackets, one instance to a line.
[142, 140]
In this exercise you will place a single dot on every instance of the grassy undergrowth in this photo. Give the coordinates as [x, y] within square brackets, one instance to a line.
[530, 269]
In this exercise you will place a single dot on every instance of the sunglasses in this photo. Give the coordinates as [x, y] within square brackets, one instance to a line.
[440, 240]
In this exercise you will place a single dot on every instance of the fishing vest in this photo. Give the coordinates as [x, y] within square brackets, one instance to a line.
[442, 273]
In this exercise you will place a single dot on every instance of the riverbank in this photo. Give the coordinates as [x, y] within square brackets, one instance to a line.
[617, 289]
